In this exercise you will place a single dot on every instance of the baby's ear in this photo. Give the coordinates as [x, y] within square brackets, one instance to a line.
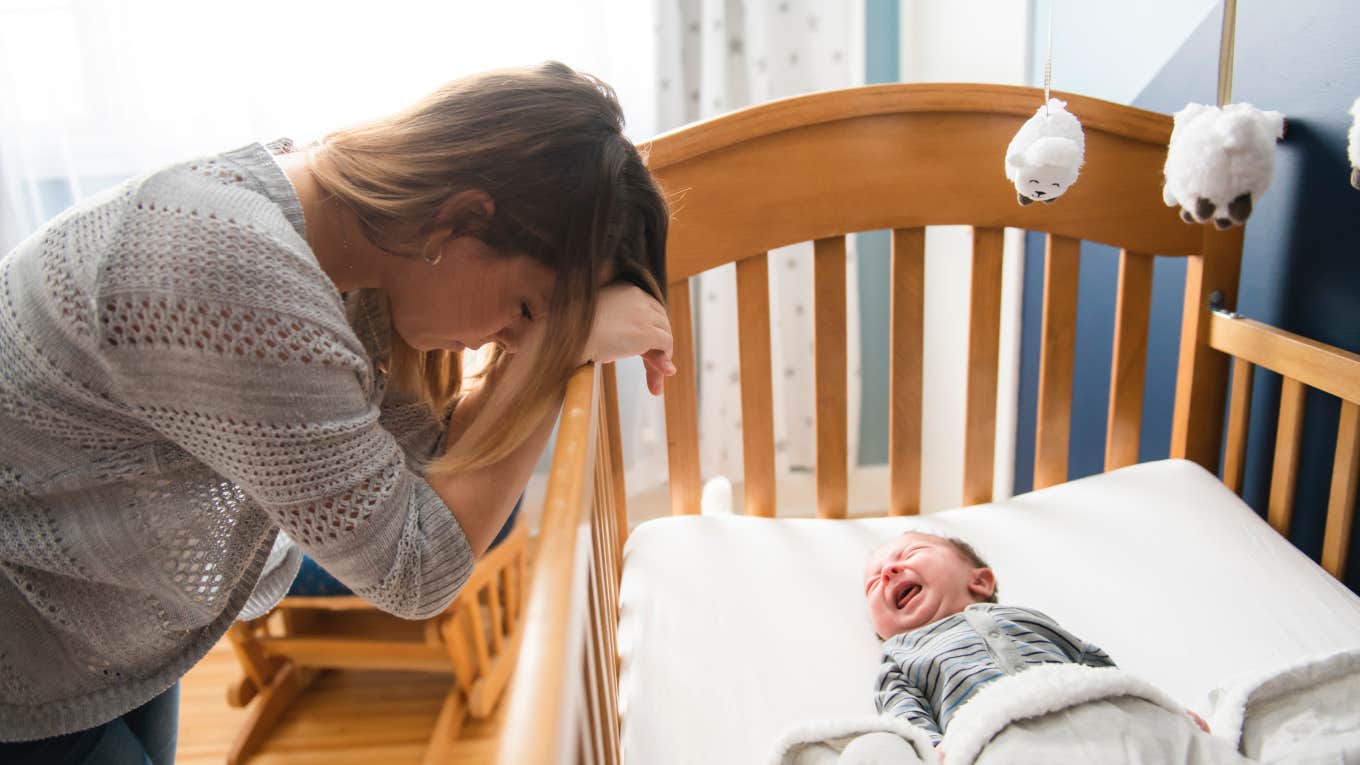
[983, 583]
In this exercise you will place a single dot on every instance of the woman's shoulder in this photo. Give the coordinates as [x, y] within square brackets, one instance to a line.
[205, 256]
[206, 231]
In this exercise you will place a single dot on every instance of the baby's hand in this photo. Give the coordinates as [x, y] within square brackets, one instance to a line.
[1204, 726]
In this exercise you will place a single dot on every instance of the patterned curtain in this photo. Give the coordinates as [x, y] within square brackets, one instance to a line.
[717, 56]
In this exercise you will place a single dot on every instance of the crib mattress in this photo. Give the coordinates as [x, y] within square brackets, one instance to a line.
[733, 628]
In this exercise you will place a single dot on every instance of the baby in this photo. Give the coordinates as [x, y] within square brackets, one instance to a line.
[933, 601]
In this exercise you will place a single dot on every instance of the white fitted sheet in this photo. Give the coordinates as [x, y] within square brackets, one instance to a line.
[733, 628]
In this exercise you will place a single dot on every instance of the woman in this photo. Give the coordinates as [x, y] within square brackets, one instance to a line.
[248, 344]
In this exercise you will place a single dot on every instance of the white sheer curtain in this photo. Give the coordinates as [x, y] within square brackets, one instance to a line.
[93, 91]
[716, 56]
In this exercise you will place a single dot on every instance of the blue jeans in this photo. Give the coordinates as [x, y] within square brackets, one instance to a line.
[144, 736]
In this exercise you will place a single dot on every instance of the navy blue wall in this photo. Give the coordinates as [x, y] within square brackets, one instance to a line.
[1301, 263]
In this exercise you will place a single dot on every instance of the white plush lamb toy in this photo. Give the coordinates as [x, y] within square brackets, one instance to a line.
[1354, 148]
[1221, 160]
[1046, 154]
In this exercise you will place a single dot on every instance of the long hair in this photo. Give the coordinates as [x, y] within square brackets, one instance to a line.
[547, 144]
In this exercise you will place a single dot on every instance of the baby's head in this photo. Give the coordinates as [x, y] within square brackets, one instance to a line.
[918, 578]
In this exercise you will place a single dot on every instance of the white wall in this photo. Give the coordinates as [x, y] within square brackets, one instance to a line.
[1112, 50]
[965, 41]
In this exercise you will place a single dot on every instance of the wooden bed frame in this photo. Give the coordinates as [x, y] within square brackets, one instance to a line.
[898, 157]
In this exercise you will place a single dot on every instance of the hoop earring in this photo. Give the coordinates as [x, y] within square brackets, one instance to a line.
[433, 255]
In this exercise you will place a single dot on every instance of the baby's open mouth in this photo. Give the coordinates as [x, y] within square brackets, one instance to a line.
[905, 594]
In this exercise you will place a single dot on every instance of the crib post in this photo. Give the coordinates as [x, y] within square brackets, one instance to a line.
[1202, 374]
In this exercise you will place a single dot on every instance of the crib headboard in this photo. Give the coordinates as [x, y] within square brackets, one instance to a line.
[902, 157]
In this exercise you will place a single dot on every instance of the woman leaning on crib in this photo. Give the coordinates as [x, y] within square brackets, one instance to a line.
[248, 344]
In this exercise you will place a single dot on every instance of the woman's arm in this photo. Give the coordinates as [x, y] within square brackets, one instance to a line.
[628, 322]
[482, 499]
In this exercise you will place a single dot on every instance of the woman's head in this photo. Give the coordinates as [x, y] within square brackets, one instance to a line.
[509, 198]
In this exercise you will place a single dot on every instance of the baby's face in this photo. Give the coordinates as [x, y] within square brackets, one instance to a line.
[918, 579]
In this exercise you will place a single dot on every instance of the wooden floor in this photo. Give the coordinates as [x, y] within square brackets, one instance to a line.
[344, 717]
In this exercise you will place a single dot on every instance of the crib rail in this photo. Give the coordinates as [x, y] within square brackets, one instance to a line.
[563, 703]
[1304, 364]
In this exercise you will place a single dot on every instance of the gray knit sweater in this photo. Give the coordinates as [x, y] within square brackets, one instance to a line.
[179, 381]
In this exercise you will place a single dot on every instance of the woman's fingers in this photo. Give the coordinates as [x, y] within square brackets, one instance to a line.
[658, 367]
[663, 341]
[659, 361]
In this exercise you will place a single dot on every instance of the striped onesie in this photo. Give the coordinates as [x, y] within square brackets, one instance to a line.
[929, 672]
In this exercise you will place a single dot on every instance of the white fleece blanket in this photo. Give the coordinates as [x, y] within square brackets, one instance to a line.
[1307, 713]
[1031, 694]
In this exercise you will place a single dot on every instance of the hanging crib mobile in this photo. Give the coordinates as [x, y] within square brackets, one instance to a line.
[1221, 159]
[1045, 156]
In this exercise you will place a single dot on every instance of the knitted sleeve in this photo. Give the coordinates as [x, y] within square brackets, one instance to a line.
[418, 431]
[224, 335]
[899, 698]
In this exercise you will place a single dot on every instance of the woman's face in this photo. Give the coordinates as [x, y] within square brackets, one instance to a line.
[471, 297]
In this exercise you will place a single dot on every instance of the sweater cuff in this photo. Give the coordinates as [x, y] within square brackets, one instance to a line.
[280, 569]
[448, 558]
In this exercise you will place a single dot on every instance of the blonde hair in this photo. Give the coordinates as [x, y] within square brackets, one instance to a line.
[546, 144]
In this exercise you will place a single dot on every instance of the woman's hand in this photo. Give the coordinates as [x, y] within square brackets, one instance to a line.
[629, 322]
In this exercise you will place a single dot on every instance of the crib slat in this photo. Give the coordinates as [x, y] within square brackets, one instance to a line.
[511, 614]
[1345, 478]
[611, 410]
[984, 347]
[1239, 417]
[608, 563]
[600, 684]
[682, 420]
[457, 631]
[1053, 421]
[829, 308]
[757, 397]
[1286, 470]
[479, 647]
[907, 340]
[595, 727]
[606, 568]
[1129, 360]
[493, 599]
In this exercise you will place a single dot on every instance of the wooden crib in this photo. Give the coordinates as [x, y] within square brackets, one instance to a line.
[898, 157]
